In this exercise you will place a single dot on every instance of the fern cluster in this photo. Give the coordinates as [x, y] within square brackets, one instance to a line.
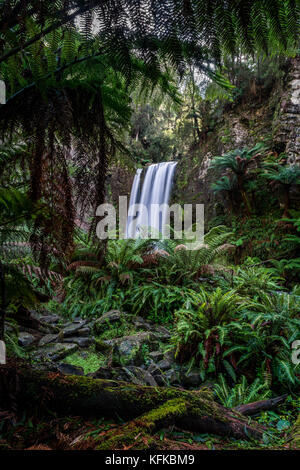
[234, 333]
[241, 393]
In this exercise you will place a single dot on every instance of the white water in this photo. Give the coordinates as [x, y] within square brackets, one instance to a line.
[156, 190]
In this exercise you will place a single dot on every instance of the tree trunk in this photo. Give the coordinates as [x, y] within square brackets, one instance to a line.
[244, 195]
[149, 408]
[286, 211]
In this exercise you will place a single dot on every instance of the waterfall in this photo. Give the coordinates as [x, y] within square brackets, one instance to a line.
[156, 190]
[134, 197]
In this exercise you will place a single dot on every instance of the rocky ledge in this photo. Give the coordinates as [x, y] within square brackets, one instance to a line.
[124, 348]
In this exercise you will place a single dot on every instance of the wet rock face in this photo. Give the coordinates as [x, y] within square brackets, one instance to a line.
[276, 115]
[286, 125]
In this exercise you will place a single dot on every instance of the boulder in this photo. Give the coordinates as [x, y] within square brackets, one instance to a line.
[72, 328]
[132, 374]
[191, 378]
[156, 356]
[114, 317]
[164, 364]
[140, 376]
[69, 369]
[83, 342]
[170, 356]
[55, 351]
[52, 319]
[102, 346]
[128, 350]
[141, 324]
[50, 338]
[172, 377]
[163, 332]
[85, 331]
[157, 374]
[79, 320]
[26, 339]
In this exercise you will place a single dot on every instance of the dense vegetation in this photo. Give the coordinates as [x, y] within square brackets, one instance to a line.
[94, 86]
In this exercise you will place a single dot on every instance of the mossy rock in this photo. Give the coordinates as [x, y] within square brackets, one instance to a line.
[130, 350]
[102, 346]
[56, 351]
[113, 318]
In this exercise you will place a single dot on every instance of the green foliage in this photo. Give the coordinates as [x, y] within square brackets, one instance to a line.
[17, 214]
[255, 281]
[157, 302]
[78, 99]
[11, 334]
[241, 393]
[238, 160]
[183, 265]
[200, 325]
[122, 257]
[263, 337]
[224, 184]
[260, 238]
[90, 360]
[285, 175]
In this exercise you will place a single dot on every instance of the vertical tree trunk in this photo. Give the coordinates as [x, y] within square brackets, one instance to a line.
[286, 212]
[102, 165]
[244, 195]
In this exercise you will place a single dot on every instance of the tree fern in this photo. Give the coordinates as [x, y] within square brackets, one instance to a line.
[183, 265]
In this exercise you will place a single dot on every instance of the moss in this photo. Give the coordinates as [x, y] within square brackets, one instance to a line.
[296, 433]
[90, 360]
[137, 432]
[101, 346]
[171, 409]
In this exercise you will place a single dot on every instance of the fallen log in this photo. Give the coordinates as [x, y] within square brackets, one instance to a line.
[296, 434]
[255, 407]
[148, 408]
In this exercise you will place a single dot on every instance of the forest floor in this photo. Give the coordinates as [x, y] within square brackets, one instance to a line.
[75, 433]
[134, 352]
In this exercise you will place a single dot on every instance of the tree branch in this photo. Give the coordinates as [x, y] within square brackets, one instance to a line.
[65, 19]
[55, 72]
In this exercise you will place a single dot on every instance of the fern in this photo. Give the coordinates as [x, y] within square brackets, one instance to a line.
[241, 393]
[182, 265]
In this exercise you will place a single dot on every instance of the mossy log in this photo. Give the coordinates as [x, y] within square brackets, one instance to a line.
[296, 434]
[257, 406]
[148, 408]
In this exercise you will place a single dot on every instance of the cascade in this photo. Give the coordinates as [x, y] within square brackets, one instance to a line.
[154, 192]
